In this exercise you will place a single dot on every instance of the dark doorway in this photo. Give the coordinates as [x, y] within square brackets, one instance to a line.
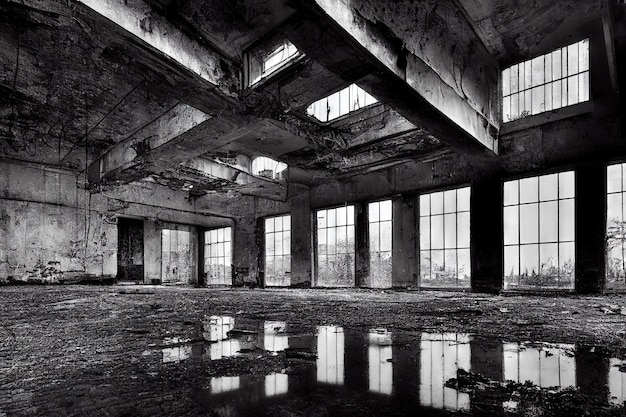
[129, 250]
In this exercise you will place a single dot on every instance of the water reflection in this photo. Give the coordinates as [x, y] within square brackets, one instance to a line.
[544, 365]
[380, 356]
[276, 384]
[617, 381]
[399, 371]
[441, 356]
[224, 384]
[330, 355]
[274, 337]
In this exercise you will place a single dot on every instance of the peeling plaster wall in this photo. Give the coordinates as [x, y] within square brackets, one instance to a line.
[45, 217]
[44, 226]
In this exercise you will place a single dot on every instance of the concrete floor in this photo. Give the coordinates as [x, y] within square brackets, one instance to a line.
[176, 351]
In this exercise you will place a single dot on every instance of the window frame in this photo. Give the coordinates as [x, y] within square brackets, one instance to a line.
[228, 273]
[286, 250]
[316, 253]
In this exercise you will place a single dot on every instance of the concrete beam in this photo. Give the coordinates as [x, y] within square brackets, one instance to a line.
[450, 92]
[133, 35]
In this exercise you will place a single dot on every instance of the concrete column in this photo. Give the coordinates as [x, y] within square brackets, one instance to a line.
[152, 252]
[486, 235]
[362, 257]
[405, 239]
[301, 236]
[590, 228]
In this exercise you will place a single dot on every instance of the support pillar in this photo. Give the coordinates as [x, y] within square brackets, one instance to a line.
[486, 235]
[405, 254]
[301, 237]
[590, 228]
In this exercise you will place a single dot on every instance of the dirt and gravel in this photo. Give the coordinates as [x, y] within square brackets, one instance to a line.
[96, 350]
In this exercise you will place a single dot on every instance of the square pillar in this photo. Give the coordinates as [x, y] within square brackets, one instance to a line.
[405, 238]
[487, 248]
[590, 228]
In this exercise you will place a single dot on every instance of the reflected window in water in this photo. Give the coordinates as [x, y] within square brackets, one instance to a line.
[217, 327]
[224, 384]
[274, 337]
[545, 366]
[276, 384]
[379, 355]
[176, 353]
[224, 349]
[330, 355]
[617, 382]
[441, 355]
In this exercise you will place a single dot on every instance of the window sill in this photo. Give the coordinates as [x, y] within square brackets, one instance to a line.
[547, 117]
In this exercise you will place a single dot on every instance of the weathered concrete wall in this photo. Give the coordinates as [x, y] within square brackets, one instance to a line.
[51, 230]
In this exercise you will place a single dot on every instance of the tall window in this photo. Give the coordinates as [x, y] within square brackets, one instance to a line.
[351, 98]
[176, 256]
[615, 226]
[547, 82]
[217, 256]
[445, 238]
[335, 247]
[380, 243]
[539, 232]
[278, 251]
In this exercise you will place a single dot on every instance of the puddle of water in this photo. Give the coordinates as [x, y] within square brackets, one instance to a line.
[381, 369]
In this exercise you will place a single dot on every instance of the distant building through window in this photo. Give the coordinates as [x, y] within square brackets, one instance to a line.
[339, 104]
[268, 168]
[547, 82]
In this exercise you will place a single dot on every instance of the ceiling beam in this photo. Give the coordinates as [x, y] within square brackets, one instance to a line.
[450, 93]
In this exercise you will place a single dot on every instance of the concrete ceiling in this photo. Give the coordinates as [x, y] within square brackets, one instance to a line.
[83, 91]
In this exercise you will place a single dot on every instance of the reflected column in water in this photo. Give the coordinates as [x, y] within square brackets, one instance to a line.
[441, 355]
[330, 355]
[380, 366]
[544, 365]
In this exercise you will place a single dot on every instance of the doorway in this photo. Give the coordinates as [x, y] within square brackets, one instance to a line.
[130, 250]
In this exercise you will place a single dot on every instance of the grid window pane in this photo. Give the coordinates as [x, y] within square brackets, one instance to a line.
[278, 251]
[536, 229]
[380, 232]
[546, 82]
[335, 249]
[615, 227]
[339, 104]
[445, 238]
[217, 244]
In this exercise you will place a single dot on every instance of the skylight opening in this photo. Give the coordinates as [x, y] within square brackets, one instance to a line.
[280, 57]
[348, 100]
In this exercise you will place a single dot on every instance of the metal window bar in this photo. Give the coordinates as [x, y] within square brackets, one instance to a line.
[456, 247]
[539, 241]
[214, 244]
[620, 234]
